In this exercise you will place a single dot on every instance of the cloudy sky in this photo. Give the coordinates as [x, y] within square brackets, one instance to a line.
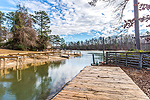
[75, 19]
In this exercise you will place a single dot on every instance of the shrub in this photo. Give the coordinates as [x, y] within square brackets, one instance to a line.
[19, 47]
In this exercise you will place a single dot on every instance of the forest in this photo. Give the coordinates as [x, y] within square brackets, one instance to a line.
[121, 42]
[20, 30]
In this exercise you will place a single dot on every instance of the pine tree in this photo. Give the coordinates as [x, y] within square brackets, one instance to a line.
[2, 19]
[42, 20]
[24, 36]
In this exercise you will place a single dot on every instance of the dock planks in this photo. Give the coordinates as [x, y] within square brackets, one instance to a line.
[101, 83]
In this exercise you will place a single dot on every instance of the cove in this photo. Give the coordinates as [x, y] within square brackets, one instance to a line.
[40, 82]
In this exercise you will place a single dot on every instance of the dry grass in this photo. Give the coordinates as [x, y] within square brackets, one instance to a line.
[7, 51]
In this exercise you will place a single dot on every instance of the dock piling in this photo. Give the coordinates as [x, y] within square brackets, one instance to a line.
[34, 59]
[0, 63]
[4, 62]
[17, 63]
[93, 59]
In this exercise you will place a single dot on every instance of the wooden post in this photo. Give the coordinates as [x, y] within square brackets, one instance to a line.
[34, 59]
[103, 50]
[115, 58]
[20, 62]
[140, 60]
[126, 59]
[4, 62]
[119, 58]
[0, 63]
[48, 55]
[106, 57]
[93, 59]
[23, 59]
[17, 63]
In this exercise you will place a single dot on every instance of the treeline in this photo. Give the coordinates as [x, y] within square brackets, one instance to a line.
[122, 42]
[22, 31]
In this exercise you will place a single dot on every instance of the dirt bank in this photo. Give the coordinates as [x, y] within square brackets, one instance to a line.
[140, 77]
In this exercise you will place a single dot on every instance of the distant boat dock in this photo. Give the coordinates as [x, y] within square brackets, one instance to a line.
[101, 83]
[20, 58]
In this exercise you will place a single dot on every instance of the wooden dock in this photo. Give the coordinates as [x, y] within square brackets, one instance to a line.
[20, 57]
[101, 83]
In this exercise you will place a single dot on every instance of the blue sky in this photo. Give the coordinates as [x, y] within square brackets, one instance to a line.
[76, 20]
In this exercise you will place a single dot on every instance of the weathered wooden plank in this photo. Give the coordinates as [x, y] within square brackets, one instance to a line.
[148, 59]
[146, 55]
[9, 56]
[101, 83]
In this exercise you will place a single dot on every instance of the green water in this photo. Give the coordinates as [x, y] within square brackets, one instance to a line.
[39, 82]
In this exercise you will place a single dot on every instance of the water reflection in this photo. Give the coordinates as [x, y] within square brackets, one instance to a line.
[35, 68]
[2, 72]
[27, 83]
[37, 82]
[19, 75]
[56, 64]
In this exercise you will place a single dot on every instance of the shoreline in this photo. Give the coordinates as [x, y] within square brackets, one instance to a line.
[13, 59]
[12, 66]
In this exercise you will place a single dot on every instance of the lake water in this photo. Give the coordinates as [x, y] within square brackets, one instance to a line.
[39, 82]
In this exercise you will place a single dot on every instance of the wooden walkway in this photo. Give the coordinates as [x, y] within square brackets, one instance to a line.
[101, 83]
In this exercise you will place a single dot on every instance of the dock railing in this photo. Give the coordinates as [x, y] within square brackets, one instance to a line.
[133, 59]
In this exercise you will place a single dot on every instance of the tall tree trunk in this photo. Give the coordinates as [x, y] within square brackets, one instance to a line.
[0, 28]
[136, 16]
[41, 24]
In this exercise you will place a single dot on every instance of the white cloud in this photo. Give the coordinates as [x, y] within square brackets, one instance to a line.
[12, 2]
[77, 16]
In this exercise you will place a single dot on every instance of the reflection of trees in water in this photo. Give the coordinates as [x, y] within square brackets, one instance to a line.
[23, 89]
[77, 56]
[57, 64]
[32, 86]
[45, 82]
[2, 90]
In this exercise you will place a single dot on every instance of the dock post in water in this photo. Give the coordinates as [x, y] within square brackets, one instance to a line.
[48, 55]
[106, 57]
[4, 63]
[34, 59]
[17, 63]
[93, 59]
[0, 63]
[20, 63]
